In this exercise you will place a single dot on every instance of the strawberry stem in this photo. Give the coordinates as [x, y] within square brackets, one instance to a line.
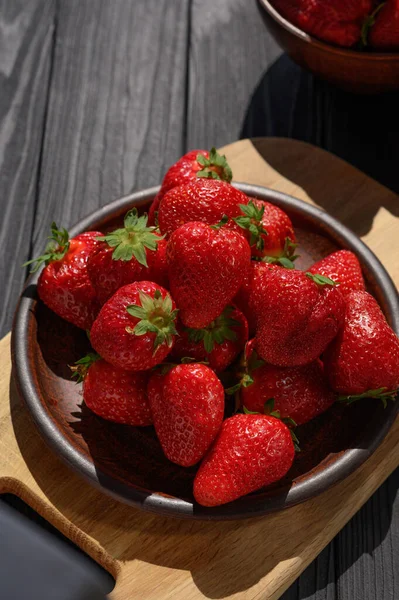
[133, 239]
[80, 368]
[214, 167]
[56, 248]
[156, 315]
[380, 394]
[368, 23]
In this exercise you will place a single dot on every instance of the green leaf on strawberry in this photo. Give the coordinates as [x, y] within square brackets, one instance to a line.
[156, 315]
[320, 279]
[380, 393]
[56, 248]
[80, 368]
[287, 258]
[133, 239]
[214, 167]
[252, 221]
[216, 332]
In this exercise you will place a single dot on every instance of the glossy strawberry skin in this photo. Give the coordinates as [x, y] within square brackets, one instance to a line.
[112, 332]
[117, 395]
[278, 226]
[242, 298]
[342, 267]
[365, 354]
[108, 275]
[250, 452]
[295, 318]
[206, 268]
[206, 200]
[384, 34]
[301, 393]
[181, 172]
[65, 287]
[222, 354]
[187, 405]
[336, 21]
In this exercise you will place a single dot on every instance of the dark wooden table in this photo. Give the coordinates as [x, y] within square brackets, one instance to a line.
[99, 97]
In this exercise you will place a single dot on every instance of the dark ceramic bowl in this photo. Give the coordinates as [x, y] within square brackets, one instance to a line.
[360, 72]
[127, 462]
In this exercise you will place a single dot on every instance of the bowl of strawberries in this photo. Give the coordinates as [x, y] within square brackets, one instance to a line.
[209, 350]
[354, 45]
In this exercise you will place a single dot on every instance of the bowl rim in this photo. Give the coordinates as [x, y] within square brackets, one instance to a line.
[248, 506]
[302, 35]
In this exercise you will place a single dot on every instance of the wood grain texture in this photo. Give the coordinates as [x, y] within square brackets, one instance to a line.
[26, 38]
[158, 558]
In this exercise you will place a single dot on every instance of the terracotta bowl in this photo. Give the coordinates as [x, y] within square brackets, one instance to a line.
[360, 72]
[127, 462]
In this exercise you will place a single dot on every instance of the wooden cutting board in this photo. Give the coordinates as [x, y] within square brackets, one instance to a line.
[163, 558]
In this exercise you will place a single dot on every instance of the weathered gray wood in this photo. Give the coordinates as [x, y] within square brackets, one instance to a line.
[26, 39]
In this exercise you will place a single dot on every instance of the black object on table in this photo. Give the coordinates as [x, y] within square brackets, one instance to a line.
[99, 97]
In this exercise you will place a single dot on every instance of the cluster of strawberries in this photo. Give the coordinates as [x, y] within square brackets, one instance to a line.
[346, 22]
[205, 291]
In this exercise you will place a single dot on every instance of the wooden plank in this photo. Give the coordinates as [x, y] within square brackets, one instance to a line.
[26, 39]
[157, 558]
[116, 106]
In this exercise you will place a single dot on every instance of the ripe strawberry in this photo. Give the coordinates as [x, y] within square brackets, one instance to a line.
[64, 284]
[242, 298]
[297, 315]
[384, 23]
[206, 200]
[336, 21]
[112, 393]
[127, 255]
[364, 356]
[219, 343]
[196, 163]
[270, 231]
[250, 452]
[207, 265]
[187, 405]
[299, 393]
[136, 327]
[342, 267]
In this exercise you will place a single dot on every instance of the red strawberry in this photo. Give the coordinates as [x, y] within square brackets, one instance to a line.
[219, 343]
[207, 265]
[187, 405]
[127, 255]
[336, 21]
[299, 393]
[364, 356]
[342, 267]
[243, 296]
[135, 329]
[196, 163]
[206, 200]
[64, 284]
[250, 452]
[270, 231]
[384, 23]
[297, 315]
[112, 393]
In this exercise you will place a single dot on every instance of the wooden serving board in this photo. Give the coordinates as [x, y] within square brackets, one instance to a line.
[161, 558]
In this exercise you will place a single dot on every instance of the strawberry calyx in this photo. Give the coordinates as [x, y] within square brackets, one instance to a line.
[381, 393]
[216, 332]
[214, 167]
[368, 23]
[286, 258]
[252, 222]
[321, 280]
[80, 368]
[156, 315]
[133, 239]
[56, 248]
[248, 365]
[269, 410]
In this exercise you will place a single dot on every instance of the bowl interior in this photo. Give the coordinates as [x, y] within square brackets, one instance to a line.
[128, 462]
